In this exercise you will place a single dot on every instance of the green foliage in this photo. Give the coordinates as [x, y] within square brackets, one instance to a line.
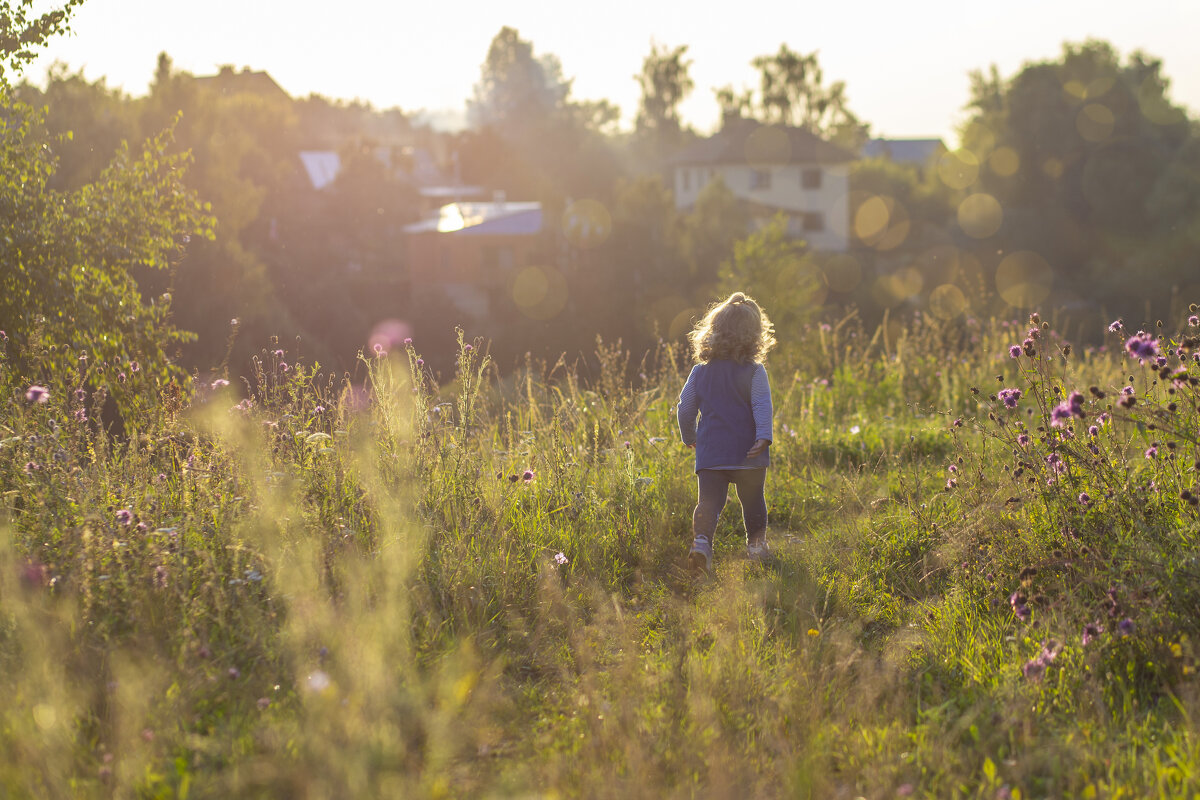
[22, 33]
[354, 583]
[777, 269]
[73, 312]
[1096, 169]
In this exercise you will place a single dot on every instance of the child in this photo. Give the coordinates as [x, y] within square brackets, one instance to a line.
[730, 391]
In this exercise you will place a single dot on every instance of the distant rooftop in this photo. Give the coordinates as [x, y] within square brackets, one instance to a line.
[745, 140]
[322, 166]
[229, 81]
[904, 151]
[501, 218]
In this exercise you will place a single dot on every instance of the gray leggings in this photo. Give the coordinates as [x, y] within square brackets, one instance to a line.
[713, 490]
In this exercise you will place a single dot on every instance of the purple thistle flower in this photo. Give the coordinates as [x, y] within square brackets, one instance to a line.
[467, 348]
[1160, 361]
[1084, 499]
[1141, 346]
[1009, 397]
[124, 516]
[1014, 351]
[407, 340]
[1093, 431]
[1090, 632]
[1193, 321]
[953, 468]
[420, 362]
[283, 366]
[135, 367]
[1023, 439]
[80, 395]
[279, 354]
[379, 351]
[219, 383]
[1125, 627]
[528, 476]
[1061, 415]
[37, 394]
[951, 484]
[31, 467]
[1023, 613]
[1034, 669]
[560, 558]
[1116, 326]
[1075, 400]
[1151, 452]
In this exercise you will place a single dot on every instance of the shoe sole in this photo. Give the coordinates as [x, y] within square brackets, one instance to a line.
[697, 561]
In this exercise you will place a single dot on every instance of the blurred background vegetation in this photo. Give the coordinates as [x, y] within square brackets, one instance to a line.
[1075, 185]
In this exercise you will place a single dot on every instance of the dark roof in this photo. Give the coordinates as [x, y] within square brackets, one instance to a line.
[904, 151]
[729, 146]
[228, 82]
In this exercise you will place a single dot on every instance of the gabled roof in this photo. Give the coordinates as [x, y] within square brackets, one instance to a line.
[493, 219]
[229, 82]
[729, 146]
[904, 151]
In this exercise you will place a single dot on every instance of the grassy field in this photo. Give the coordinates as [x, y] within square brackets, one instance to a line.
[377, 586]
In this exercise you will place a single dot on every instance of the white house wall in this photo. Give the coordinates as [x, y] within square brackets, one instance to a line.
[786, 192]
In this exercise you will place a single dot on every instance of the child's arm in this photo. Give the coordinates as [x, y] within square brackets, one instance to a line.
[688, 408]
[760, 404]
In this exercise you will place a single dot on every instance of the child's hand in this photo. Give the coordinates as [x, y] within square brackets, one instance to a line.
[758, 447]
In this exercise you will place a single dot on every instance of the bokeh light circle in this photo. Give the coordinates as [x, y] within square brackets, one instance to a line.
[958, 169]
[947, 301]
[980, 215]
[539, 292]
[586, 223]
[1004, 161]
[1023, 279]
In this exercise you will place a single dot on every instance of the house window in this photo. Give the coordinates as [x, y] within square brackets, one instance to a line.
[687, 179]
[810, 178]
[813, 221]
[760, 179]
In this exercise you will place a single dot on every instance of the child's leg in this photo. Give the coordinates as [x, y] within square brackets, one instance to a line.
[750, 484]
[712, 489]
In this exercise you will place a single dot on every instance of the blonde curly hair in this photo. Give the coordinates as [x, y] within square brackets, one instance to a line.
[736, 329]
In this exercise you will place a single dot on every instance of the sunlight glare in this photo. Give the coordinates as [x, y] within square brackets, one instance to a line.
[1004, 161]
[947, 301]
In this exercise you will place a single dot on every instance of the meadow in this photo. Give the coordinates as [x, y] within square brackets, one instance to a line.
[291, 584]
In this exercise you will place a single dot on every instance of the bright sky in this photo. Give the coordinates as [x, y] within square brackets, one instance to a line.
[905, 64]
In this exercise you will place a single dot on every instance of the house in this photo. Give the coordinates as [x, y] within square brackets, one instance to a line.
[774, 169]
[229, 82]
[468, 253]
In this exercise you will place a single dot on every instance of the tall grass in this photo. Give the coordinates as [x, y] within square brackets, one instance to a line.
[386, 586]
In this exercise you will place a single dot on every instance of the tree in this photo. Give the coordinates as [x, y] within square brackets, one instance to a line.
[772, 266]
[22, 34]
[516, 90]
[792, 91]
[1094, 167]
[665, 83]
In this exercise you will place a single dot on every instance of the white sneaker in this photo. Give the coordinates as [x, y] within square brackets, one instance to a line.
[700, 556]
[758, 551]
